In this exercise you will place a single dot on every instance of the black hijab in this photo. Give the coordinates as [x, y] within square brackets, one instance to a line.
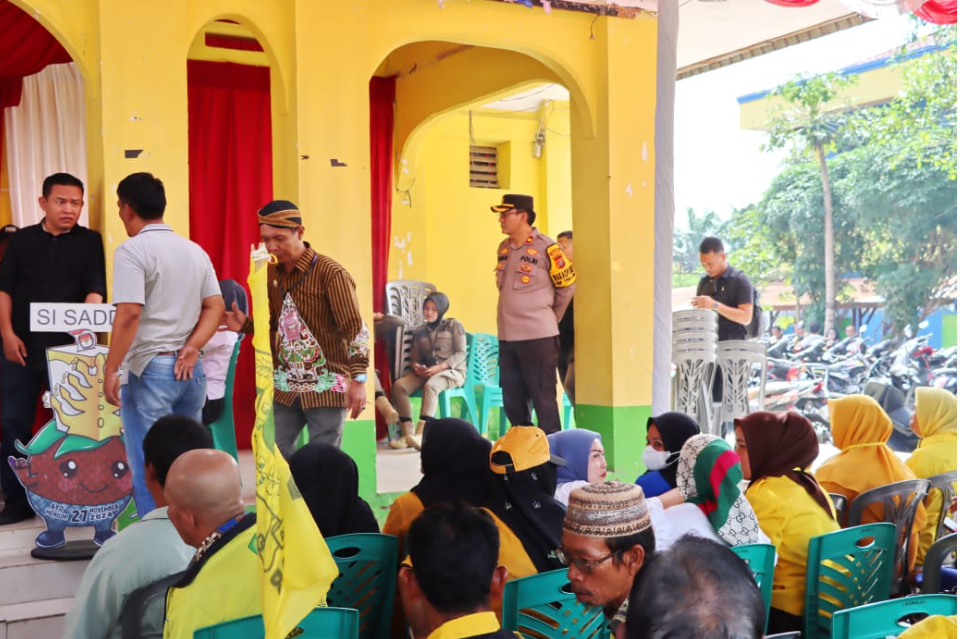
[328, 479]
[455, 459]
[675, 429]
[443, 305]
[524, 502]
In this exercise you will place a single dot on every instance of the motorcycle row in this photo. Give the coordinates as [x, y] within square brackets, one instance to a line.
[802, 374]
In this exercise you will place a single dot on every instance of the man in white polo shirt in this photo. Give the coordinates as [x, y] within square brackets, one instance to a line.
[168, 306]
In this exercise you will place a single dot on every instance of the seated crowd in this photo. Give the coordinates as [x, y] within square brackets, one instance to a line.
[485, 513]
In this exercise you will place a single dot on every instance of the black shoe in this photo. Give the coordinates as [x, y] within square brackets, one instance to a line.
[12, 514]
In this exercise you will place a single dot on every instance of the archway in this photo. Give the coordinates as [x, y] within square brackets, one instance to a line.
[472, 123]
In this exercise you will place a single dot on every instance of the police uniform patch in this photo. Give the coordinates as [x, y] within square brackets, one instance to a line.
[561, 268]
[501, 265]
[525, 279]
[532, 251]
[526, 268]
[530, 240]
[504, 250]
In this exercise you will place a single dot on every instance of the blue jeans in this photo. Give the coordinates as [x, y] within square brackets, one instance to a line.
[146, 398]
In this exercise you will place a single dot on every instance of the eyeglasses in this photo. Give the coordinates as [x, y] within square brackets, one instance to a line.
[582, 565]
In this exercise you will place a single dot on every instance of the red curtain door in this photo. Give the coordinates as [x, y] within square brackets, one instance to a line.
[382, 93]
[231, 176]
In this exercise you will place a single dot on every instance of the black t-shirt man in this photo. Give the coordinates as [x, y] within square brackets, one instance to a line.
[41, 267]
[731, 288]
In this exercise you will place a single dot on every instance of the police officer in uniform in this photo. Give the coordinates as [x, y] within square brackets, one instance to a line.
[536, 282]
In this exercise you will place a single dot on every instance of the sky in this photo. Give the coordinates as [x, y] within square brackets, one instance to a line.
[719, 166]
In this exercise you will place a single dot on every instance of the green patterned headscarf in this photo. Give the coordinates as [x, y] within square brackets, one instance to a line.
[709, 475]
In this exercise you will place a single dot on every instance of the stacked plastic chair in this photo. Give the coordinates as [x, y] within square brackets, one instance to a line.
[694, 355]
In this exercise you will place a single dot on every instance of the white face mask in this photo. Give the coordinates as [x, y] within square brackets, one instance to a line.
[655, 459]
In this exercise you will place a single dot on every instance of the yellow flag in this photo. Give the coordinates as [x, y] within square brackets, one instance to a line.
[297, 565]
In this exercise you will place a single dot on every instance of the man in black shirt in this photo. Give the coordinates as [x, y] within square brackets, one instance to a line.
[724, 289]
[53, 261]
[729, 292]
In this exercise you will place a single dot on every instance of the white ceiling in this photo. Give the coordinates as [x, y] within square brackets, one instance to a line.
[709, 29]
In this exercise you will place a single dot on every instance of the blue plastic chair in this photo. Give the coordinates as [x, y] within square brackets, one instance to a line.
[223, 431]
[890, 618]
[760, 559]
[543, 606]
[845, 569]
[367, 580]
[321, 623]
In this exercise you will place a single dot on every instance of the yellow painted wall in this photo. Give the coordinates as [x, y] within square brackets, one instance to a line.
[443, 230]
[322, 54]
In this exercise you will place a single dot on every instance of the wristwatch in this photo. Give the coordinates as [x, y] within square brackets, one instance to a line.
[361, 378]
[716, 305]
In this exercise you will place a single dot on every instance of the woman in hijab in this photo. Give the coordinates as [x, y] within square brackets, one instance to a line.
[666, 435]
[438, 361]
[219, 351]
[328, 479]
[860, 429]
[583, 452]
[455, 461]
[935, 422]
[708, 476]
[520, 499]
[776, 450]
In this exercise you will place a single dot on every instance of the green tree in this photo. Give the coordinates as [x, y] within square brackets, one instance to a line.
[748, 248]
[921, 121]
[907, 208]
[810, 121]
[790, 218]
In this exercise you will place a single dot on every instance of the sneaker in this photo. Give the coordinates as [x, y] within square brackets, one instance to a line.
[12, 514]
[51, 539]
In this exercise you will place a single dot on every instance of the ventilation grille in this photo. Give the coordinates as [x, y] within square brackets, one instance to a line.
[483, 167]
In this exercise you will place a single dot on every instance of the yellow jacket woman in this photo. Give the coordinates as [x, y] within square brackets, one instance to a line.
[775, 450]
[935, 422]
[860, 429]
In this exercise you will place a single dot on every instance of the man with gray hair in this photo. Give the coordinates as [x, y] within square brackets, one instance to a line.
[708, 582]
[607, 540]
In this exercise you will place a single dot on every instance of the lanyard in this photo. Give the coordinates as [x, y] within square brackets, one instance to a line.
[302, 277]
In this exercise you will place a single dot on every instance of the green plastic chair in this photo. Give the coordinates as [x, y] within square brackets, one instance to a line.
[465, 392]
[321, 623]
[367, 580]
[568, 420]
[760, 560]
[486, 379]
[543, 607]
[222, 430]
[890, 618]
[845, 569]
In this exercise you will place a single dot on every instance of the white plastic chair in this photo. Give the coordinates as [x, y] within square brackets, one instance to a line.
[693, 384]
[405, 299]
[737, 361]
